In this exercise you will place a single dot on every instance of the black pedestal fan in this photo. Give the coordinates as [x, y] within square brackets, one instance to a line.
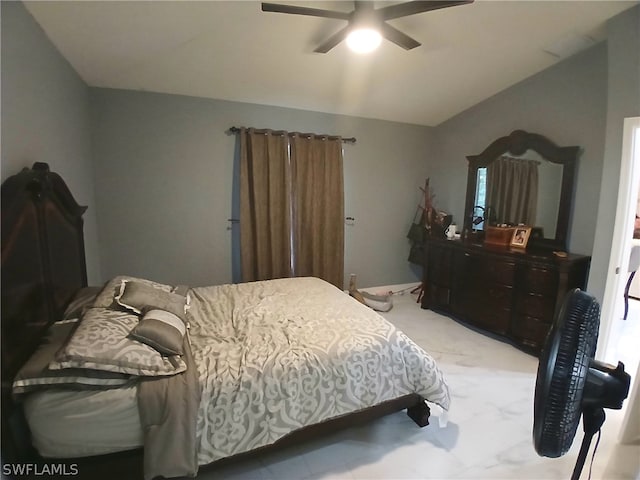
[570, 383]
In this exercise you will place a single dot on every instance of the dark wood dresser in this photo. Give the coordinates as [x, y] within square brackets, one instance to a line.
[505, 291]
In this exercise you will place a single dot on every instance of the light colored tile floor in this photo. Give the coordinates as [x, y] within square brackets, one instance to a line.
[488, 434]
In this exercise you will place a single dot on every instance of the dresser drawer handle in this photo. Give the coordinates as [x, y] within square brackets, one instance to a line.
[467, 254]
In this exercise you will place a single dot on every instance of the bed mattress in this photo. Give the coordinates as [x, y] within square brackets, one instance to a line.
[66, 424]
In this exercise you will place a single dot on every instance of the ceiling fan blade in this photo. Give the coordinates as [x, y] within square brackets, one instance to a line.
[313, 12]
[333, 40]
[396, 36]
[419, 6]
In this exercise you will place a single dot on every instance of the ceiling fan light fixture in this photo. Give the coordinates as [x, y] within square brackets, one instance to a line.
[364, 40]
[358, 32]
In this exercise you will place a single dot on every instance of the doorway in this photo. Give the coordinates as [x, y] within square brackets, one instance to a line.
[618, 337]
[612, 324]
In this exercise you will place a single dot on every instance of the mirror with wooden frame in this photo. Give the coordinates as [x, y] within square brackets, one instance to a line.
[523, 178]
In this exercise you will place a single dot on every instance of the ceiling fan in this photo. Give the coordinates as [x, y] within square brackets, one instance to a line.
[366, 17]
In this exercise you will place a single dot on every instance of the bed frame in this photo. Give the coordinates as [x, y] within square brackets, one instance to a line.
[43, 265]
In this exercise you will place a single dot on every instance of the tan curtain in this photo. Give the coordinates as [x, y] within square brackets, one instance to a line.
[318, 192]
[265, 206]
[512, 190]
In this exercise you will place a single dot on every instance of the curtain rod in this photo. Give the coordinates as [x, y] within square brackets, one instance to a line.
[236, 130]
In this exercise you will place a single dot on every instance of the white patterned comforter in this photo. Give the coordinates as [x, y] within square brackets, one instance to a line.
[278, 355]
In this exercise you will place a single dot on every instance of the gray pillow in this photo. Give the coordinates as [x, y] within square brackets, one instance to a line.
[137, 296]
[161, 330]
[35, 375]
[107, 297]
[101, 342]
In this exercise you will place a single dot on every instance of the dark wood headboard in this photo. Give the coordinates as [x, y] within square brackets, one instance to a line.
[43, 259]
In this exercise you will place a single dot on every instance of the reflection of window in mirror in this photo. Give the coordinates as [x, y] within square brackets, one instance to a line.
[481, 194]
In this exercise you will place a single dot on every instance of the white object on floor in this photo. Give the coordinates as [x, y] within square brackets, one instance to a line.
[443, 419]
[380, 303]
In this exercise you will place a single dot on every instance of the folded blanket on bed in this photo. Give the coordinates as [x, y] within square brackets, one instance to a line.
[168, 411]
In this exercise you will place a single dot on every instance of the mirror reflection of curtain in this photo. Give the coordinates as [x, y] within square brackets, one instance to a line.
[512, 190]
[318, 194]
[291, 206]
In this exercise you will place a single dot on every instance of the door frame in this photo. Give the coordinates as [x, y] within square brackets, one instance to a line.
[628, 188]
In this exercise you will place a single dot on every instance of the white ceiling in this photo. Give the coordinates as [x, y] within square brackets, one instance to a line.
[234, 51]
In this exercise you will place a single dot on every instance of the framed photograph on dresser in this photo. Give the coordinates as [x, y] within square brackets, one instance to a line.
[520, 237]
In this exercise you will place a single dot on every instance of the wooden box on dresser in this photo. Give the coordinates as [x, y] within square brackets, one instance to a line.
[509, 292]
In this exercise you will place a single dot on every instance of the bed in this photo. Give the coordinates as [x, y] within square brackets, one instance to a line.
[263, 364]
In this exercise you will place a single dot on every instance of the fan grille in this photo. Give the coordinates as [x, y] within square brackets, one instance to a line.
[562, 373]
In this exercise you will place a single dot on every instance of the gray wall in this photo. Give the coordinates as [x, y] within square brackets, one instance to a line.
[45, 115]
[164, 169]
[623, 97]
[567, 103]
[161, 178]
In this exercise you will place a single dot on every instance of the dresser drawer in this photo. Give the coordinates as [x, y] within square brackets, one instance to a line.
[437, 296]
[530, 331]
[501, 272]
[489, 269]
[495, 294]
[487, 316]
[438, 268]
[534, 305]
[539, 280]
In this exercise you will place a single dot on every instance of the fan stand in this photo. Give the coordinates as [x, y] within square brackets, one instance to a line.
[592, 420]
